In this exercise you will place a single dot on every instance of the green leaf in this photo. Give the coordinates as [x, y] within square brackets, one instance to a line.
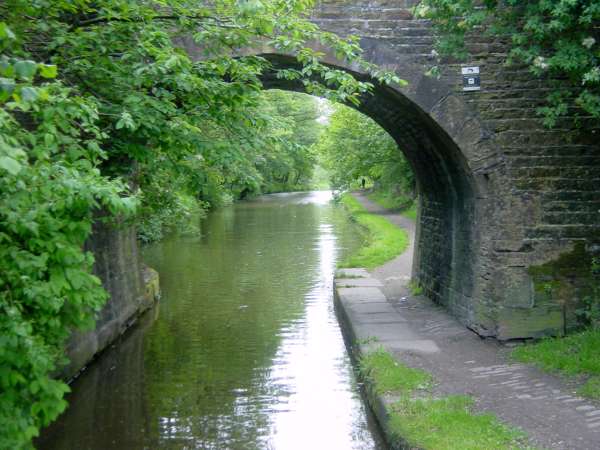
[9, 164]
[29, 94]
[6, 69]
[26, 69]
[5, 32]
[7, 87]
[48, 70]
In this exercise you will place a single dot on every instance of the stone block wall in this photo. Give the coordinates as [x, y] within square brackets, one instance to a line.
[132, 289]
[506, 203]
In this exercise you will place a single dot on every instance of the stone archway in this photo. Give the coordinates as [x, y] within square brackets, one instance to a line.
[446, 251]
[508, 206]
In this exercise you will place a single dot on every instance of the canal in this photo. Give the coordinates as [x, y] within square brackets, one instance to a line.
[244, 350]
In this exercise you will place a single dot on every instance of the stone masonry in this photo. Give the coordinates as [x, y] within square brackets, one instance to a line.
[509, 216]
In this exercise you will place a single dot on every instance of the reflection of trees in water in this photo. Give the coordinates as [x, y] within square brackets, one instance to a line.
[246, 282]
[107, 403]
[202, 373]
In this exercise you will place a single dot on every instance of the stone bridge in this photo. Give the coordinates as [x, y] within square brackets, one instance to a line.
[509, 210]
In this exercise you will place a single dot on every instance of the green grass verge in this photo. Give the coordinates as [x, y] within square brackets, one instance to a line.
[425, 422]
[391, 201]
[575, 355]
[384, 240]
[387, 375]
[411, 212]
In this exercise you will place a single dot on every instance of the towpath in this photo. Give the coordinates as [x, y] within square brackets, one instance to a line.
[423, 335]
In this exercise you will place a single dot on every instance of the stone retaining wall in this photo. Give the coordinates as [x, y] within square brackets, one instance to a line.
[133, 288]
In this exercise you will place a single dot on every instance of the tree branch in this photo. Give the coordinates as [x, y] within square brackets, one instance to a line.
[100, 20]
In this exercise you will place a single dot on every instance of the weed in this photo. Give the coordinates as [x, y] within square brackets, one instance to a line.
[575, 355]
[367, 340]
[415, 287]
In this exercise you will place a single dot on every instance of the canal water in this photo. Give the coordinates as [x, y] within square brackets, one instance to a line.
[244, 351]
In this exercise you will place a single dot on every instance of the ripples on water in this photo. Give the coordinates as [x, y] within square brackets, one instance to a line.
[246, 351]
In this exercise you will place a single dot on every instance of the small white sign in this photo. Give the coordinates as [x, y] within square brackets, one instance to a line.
[471, 80]
[470, 70]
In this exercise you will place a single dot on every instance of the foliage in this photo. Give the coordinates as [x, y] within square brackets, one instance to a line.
[286, 161]
[589, 312]
[275, 157]
[411, 212]
[574, 355]
[50, 187]
[354, 146]
[384, 240]
[389, 200]
[100, 100]
[418, 420]
[556, 39]
[415, 288]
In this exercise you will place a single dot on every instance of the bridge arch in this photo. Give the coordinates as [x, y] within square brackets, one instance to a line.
[507, 204]
[447, 238]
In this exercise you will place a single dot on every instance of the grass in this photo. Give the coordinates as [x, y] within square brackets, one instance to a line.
[388, 375]
[449, 423]
[577, 355]
[384, 240]
[388, 200]
[415, 288]
[411, 212]
[425, 422]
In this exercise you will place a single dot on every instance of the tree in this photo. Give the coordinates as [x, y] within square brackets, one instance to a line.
[96, 99]
[287, 162]
[354, 146]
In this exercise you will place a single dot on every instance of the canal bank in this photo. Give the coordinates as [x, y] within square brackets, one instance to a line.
[454, 368]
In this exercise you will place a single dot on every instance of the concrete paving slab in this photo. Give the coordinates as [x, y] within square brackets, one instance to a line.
[425, 346]
[385, 332]
[379, 308]
[352, 273]
[361, 294]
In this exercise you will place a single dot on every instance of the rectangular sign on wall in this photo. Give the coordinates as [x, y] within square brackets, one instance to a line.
[471, 80]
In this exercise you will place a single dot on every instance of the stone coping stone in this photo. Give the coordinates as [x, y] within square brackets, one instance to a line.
[358, 282]
[370, 322]
[352, 273]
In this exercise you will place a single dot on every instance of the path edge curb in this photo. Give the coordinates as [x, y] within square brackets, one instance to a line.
[376, 402]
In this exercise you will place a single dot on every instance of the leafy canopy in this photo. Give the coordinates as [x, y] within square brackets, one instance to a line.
[354, 146]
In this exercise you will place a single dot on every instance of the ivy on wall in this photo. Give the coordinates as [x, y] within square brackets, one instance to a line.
[556, 39]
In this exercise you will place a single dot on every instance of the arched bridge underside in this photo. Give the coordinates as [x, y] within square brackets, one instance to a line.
[509, 218]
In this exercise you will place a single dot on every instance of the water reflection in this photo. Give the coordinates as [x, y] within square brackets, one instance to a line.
[246, 353]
